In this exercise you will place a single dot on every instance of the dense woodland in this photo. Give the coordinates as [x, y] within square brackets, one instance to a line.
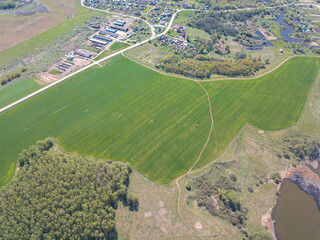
[59, 196]
[301, 149]
[203, 67]
[224, 23]
[219, 200]
[7, 5]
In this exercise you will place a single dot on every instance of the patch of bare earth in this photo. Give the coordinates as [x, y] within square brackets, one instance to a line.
[46, 77]
[16, 29]
[267, 36]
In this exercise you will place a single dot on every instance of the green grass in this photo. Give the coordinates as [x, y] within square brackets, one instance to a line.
[15, 91]
[113, 48]
[130, 113]
[118, 45]
[54, 72]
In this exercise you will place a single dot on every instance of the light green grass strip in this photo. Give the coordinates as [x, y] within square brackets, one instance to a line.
[11, 93]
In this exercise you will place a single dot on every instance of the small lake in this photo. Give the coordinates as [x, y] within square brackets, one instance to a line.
[284, 36]
[296, 214]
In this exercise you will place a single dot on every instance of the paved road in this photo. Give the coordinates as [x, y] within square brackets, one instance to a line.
[89, 66]
[154, 36]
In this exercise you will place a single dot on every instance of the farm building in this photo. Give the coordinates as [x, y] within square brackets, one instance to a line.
[109, 34]
[98, 41]
[111, 30]
[130, 35]
[120, 23]
[82, 54]
[103, 38]
[123, 29]
[70, 58]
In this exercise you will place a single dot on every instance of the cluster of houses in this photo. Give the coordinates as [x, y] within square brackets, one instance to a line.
[178, 42]
[134, 7]
[139, 7]
[160, 15]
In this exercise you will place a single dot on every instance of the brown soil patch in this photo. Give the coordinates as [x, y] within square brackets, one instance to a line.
[16, 29]
[307, 173]
[47, 77]
[162, 212]
[147, 214]
[271, 37]
[198, 225]
[68, 48]
[161, 203]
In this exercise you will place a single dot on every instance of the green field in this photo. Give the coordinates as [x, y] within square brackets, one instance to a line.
[158, 123]
[11, 93]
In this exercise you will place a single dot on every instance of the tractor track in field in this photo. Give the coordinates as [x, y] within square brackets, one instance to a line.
[212, 130]
[199, 82]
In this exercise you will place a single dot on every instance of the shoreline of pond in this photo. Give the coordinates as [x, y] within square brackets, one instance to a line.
[306, 180]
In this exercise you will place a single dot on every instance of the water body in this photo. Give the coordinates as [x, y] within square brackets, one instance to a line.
[287, 30]
[296, 214]
[284, 36]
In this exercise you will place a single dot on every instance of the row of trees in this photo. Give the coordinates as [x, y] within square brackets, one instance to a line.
[203, 67]
[7, 5]
[12, 76]
[59, 196]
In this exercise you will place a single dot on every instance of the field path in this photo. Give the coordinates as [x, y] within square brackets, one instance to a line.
[212, 129]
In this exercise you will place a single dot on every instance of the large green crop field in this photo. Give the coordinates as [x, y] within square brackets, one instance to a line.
[13, 92]
[158, 123]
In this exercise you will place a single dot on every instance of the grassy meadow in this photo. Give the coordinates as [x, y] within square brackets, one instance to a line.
[158, 123]
[13, 92]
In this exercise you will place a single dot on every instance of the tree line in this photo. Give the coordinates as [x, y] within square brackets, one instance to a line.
[11, 76]
[55, 195]
[7, 5]
[203, 67]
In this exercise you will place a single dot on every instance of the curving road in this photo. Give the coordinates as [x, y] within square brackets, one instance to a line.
[154, 36]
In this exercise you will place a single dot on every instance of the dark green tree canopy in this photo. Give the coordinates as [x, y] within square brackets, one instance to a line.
[60, 196]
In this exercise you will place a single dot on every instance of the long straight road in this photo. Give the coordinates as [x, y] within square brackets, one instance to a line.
[153, 36]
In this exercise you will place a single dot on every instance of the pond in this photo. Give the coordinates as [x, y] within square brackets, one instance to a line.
[284, 36]
[296, 214]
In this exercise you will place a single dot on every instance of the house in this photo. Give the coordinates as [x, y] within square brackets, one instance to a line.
[70, 58]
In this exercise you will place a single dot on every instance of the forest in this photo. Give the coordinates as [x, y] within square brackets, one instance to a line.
[301, 149]
[223, 23]
[7, 5]
[203, 67]
[55, 195]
